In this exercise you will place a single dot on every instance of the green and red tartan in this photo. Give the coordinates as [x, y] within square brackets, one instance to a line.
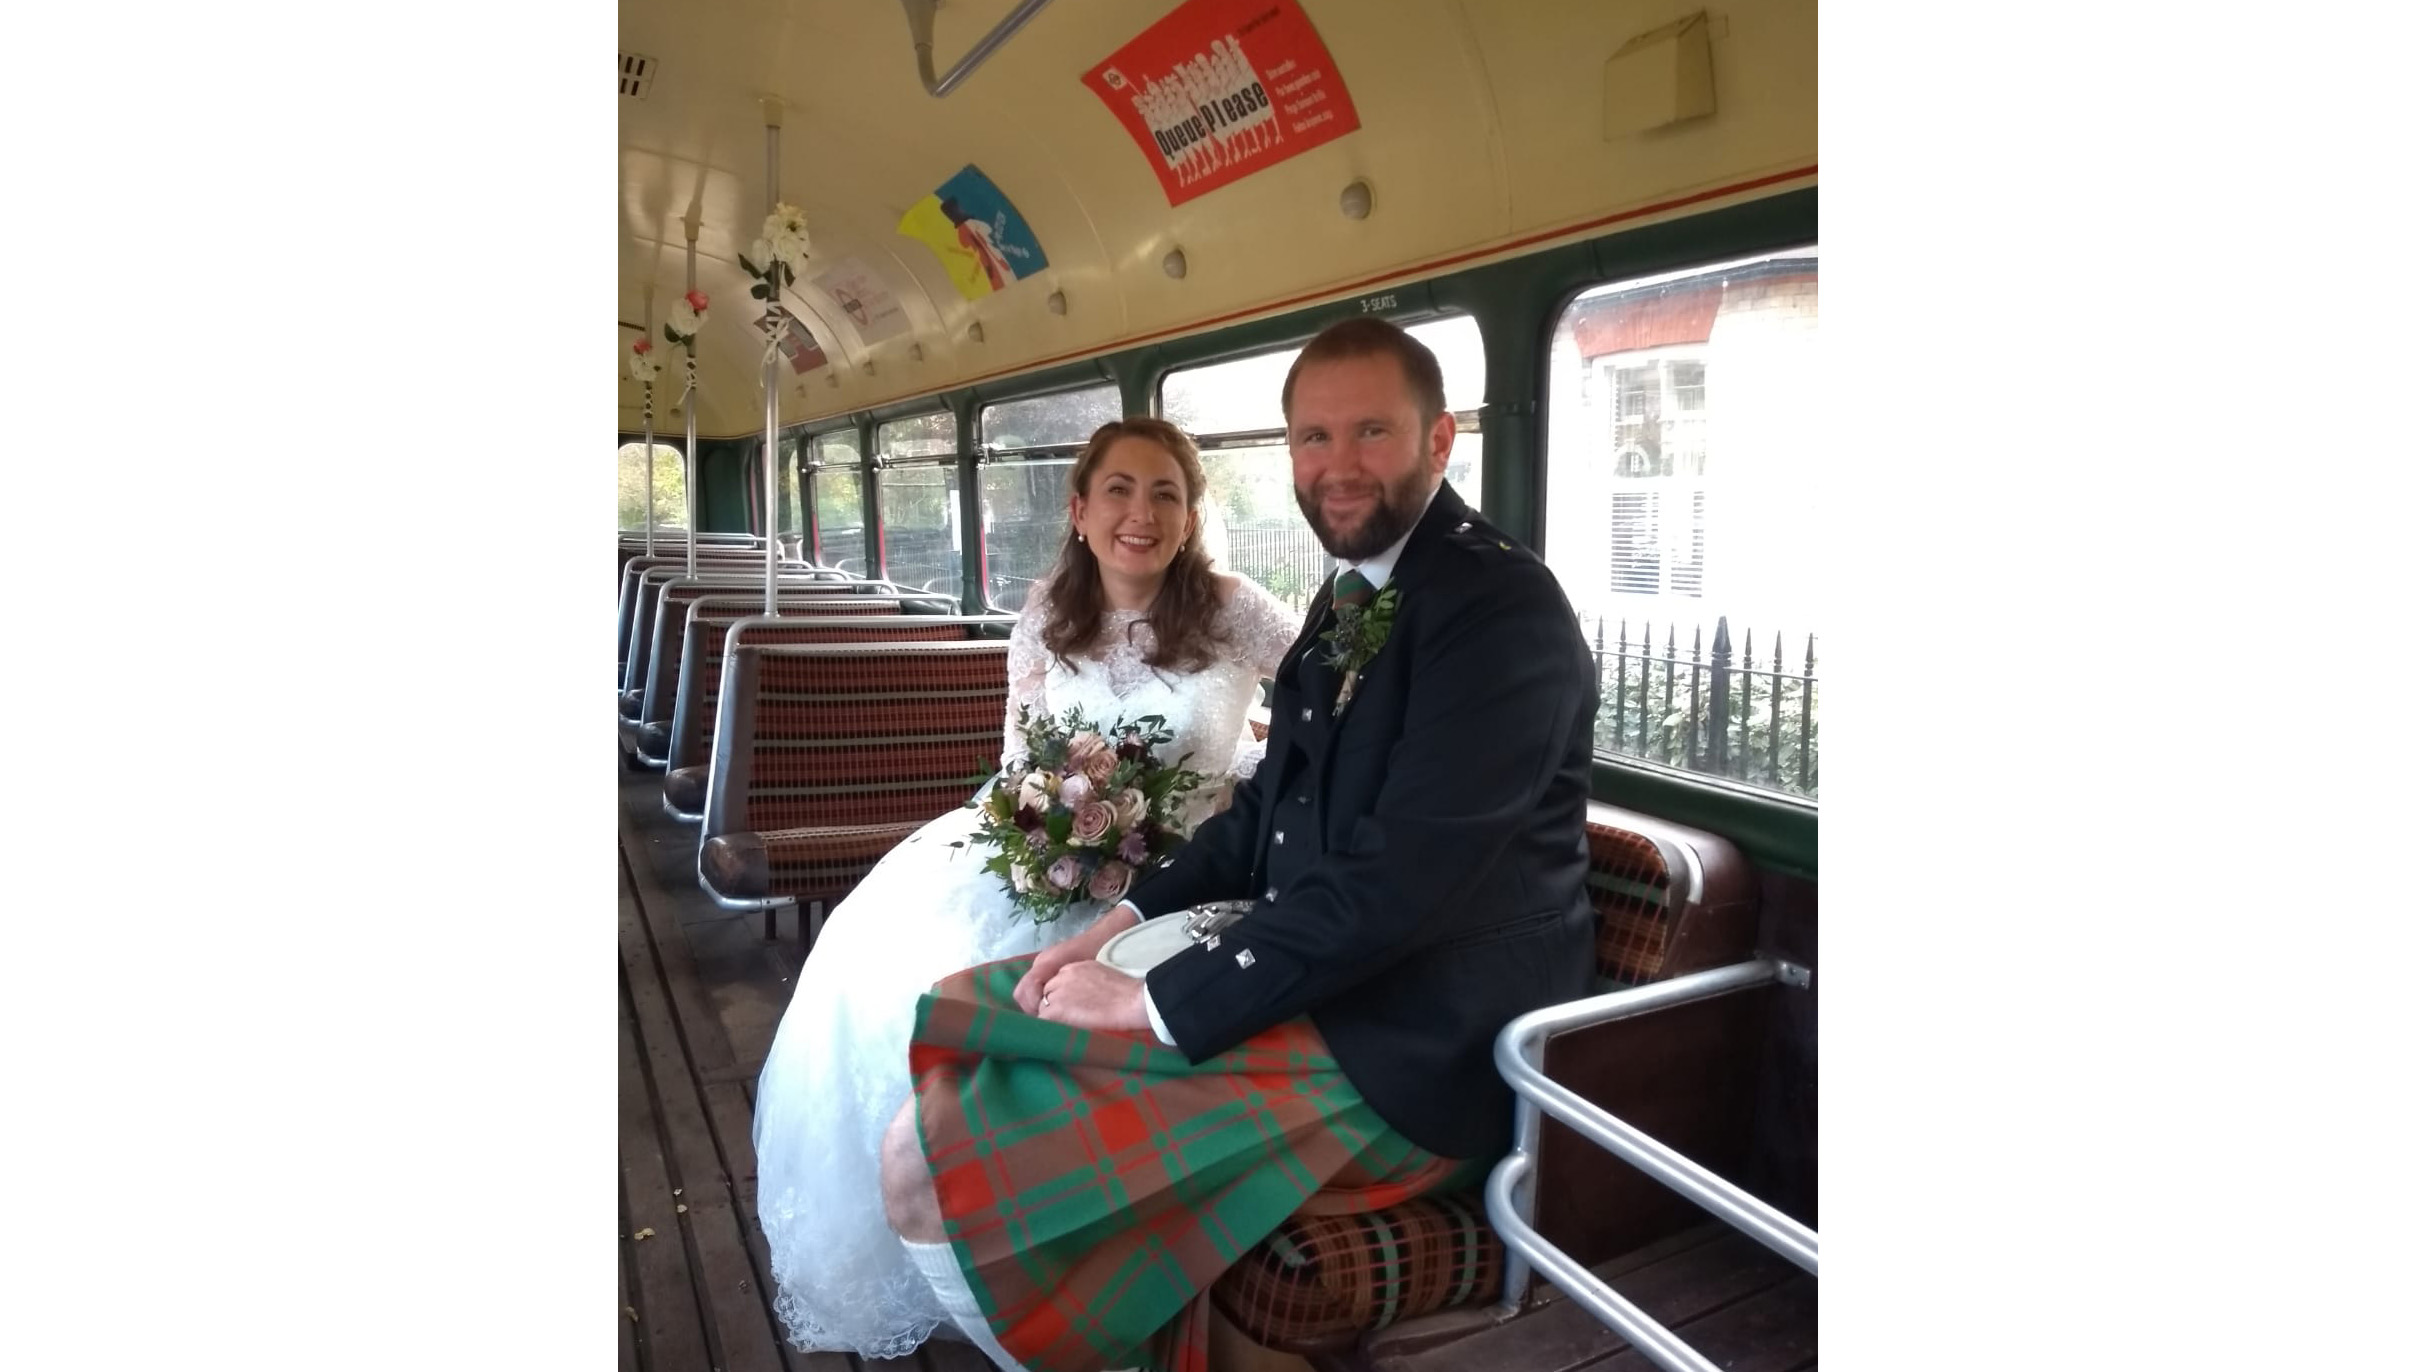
[1096, 1185]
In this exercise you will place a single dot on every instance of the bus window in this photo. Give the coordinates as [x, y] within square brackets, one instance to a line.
[1255, 528]
[668, 487]
[921, 544]
[1023, 496]
[1681, 514]
[837, 501]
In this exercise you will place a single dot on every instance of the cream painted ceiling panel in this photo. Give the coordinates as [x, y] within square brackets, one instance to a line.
[1480, 123]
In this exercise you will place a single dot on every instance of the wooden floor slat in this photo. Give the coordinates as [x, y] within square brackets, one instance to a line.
[1775, 1330]
[694, 1029]
[1677, 1281]
[739, 1318]
[670, 1318]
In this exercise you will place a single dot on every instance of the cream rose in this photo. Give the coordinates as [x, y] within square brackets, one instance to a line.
[1131, 808]
[1036, 791]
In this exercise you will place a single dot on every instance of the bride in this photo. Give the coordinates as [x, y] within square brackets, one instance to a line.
[1133, 620]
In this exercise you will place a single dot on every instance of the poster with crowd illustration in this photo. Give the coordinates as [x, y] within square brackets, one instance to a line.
[1220, 89]
[970, 226]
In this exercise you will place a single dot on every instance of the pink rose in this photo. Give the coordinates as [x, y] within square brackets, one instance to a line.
[1092, 821]
[1131, 808]
[698, 300]
[1074, 791]
[641, 346]
[1089, 755]
[1066, 873]
[1112, 880]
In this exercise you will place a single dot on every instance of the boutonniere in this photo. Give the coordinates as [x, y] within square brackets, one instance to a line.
[1359, 634]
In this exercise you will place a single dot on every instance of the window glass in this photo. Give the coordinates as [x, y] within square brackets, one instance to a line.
[1682, 514]
[922, 544]
[1023, 512]
[668, 486]
[923, 435]
[837, 498]
[1046, 420]
[1023, 503]
[1253, 524]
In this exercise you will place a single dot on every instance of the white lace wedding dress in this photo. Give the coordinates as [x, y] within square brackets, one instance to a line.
[837, 1071]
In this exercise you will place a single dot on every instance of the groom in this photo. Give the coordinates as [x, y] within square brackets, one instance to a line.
[1413, 845]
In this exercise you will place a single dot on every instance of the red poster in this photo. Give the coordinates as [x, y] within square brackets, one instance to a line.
[1219, 89]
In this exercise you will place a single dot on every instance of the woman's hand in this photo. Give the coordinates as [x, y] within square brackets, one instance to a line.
[1082, 948]
[1093, 995]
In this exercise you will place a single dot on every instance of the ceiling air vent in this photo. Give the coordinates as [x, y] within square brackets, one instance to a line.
[634, 73]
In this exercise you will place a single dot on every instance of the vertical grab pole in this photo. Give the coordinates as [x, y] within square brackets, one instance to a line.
[769, 389]
[651, 519]
[693, 231]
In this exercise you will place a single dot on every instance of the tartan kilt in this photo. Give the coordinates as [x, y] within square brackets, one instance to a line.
[1095, 1185]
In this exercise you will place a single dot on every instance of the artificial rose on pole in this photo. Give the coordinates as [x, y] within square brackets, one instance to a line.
[783, 252]
[684, 321]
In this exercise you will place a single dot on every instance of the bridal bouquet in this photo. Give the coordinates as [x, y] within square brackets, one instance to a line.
[1083, 811]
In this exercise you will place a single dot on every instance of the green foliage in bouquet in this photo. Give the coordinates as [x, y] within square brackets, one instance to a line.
[1083, 812]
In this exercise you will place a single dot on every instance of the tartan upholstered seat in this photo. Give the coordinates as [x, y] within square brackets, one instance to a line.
[1317, 1283]
[827, 753]
[680, 736]
[1321, 1282]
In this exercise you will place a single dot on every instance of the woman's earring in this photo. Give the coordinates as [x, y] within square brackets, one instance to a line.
[1078, 535]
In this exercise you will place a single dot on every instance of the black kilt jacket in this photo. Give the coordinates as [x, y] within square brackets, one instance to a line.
[1418, 861]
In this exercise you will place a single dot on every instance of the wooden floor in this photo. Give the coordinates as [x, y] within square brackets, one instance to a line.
[700, 992]
[1737, 1304]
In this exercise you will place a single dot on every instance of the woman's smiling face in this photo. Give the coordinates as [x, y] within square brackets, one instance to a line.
[1135, 512]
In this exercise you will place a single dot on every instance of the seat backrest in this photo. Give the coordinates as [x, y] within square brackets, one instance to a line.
[661, 648]
[718, 623]
[635, 640]
[853, 733]
[1670, 900]
[631, 567]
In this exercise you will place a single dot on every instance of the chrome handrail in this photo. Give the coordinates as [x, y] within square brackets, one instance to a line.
[1520, 1049]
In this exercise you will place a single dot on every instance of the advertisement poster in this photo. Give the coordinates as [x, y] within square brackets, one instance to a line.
[1219, 89]
[867, 301]
[975, 234]
[799, 347]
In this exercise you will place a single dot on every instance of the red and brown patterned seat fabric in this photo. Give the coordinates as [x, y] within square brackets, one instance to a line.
[1321, 1282]
[652, 584]
[682, 741]
[837, 751]
[661, 650]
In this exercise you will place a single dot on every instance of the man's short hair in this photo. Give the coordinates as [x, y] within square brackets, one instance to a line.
[1369, 336]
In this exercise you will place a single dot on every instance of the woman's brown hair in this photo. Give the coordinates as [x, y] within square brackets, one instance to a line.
[1187, 604]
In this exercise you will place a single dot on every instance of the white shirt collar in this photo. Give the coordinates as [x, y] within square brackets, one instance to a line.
[1378, 569]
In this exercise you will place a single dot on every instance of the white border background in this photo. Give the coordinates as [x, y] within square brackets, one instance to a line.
[311, 961]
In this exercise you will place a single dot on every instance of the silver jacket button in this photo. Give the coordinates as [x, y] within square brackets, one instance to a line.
[1244, 958]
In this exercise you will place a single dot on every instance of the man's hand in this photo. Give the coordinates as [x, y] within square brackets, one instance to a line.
[1093, 995]
[1083, 947]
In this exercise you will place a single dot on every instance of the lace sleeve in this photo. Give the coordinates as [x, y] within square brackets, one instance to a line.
[1027, 667]
[1261, 627]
